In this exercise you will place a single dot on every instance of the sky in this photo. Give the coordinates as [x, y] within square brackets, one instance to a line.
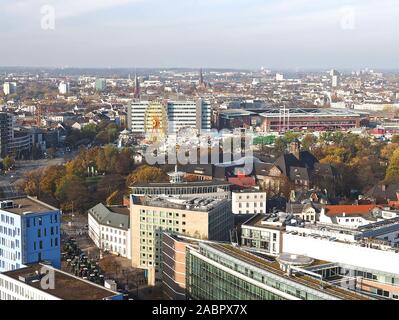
[276, 34]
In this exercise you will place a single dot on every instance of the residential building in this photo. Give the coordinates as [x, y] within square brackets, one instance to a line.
[29, 233]
[109, 228]
[198, 217]
[248, 201]
[33, 283]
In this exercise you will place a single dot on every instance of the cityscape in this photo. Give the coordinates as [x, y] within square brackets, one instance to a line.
[196, 182]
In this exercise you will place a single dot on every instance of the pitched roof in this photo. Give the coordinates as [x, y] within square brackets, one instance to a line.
[114, 216]
[338, 210]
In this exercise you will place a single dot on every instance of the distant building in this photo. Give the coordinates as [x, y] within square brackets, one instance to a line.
[30, 232]
[64, 87]
[279, 77]
[9, 88]
[109, 228]
[189, 114]
[100, 84]
[334, 81]
[26, 284]
[145, 116]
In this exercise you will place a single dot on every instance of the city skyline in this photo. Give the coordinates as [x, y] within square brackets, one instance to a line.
[288, 34]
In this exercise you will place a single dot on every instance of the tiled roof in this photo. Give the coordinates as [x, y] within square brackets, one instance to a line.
[336, 210]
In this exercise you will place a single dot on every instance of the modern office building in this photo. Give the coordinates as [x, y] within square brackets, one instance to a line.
[225, 272]
[373, 246]
[189, 114]
[248, 201]
[42, 282]
[202, 218]
[9, 88]
[109, 228]
[263, 233]
[215, 189]
[144, 117]
[6, 132]
[29, 233]
[169, 117]
[100, 84]
[64, 87]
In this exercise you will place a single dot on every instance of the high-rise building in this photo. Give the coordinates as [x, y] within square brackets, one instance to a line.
[137, 89]
[64, 87]
[6, 132]
[279, 77]
[202, 218]
[9, 88]
[335, 81]
[189, 114]
[144, 116]
[100, 85]
[30, 233]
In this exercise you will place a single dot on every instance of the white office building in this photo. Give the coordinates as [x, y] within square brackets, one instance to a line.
[249, 202]
[189, 114]
[9, 88]
[178, 115]
[109, 228]
[64, 87]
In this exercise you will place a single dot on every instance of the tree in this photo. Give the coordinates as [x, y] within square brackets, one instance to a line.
[8, 162]
[308, 142]
[31, 182]
[392, 174]
[280, 145]
[146, 173]
[72, 193]
[52, 177]
[395, 139]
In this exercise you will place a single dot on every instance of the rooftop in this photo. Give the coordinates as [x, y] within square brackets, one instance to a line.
[337, 210]
[66, 286]
[312, 112]
[273, 266]
[203, 204]
[26, 206]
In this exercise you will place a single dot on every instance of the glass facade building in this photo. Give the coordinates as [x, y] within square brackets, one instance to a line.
[223, 272]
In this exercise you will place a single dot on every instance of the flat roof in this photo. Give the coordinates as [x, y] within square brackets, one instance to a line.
[210, 183]
[28, 205]
[274, 267]
[313, 112]
[66, 287]
[194, 203]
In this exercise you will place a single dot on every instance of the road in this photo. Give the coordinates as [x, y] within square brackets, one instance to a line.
[9, 181]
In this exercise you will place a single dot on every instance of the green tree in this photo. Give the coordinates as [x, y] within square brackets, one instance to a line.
[392, 174]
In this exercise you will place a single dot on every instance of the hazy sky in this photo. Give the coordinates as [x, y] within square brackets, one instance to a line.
[202, 33]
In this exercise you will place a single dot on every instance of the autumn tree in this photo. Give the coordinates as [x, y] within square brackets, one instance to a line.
[146, 173]
[392, 174]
